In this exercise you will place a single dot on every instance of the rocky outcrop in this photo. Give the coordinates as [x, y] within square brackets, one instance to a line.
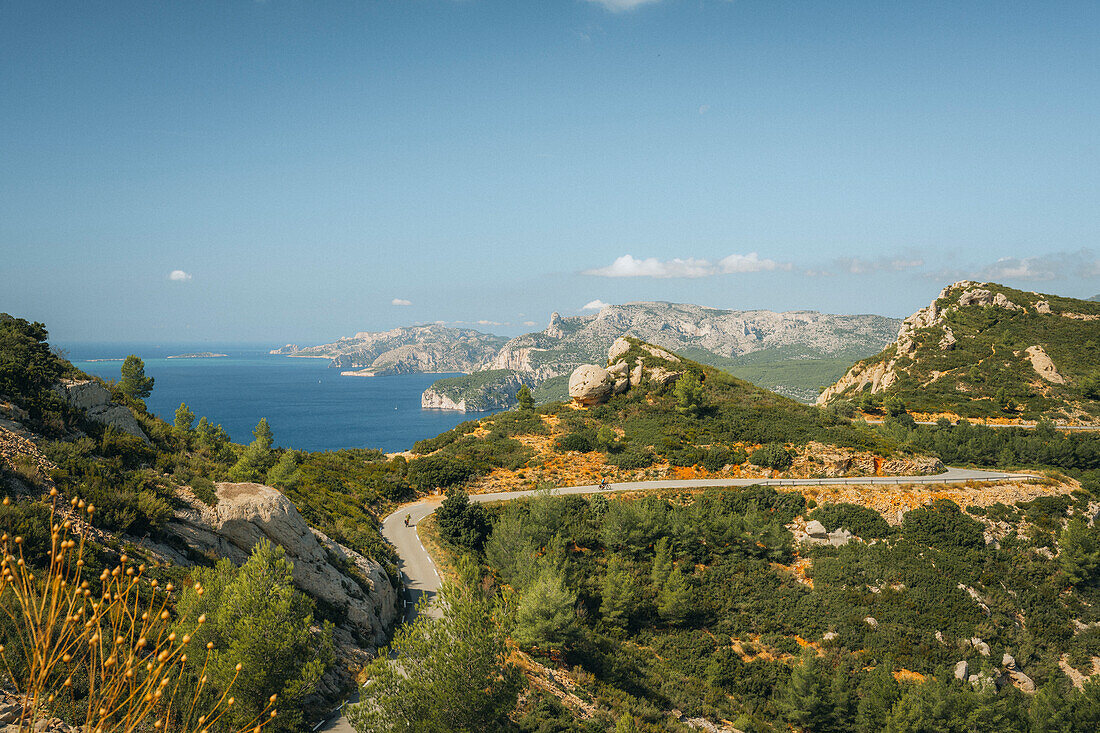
[1013, 674]
[1043, 366]
[879, 375]
[590, 385]
[981, 296]
[94, 400]
[915, 359]
[248, 513]
[430, 399]
[556, 328]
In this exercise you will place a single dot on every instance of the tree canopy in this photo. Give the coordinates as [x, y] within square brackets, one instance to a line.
[134, 383]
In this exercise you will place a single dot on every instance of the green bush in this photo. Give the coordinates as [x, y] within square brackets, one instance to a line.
[631, 459]
[433, 472]
[942, 524]
[863, 522]
[582, 441]
[772, 455]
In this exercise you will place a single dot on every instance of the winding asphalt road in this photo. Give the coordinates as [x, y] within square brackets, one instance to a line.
[422, 581]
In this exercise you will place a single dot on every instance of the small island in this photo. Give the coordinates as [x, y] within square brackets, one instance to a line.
[199, 355]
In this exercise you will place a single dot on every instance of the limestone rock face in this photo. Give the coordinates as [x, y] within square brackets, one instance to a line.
[981, 296]
[661, 353]
[816, 529]
[619, 347]
[663, 377]
[1043, 366]
[1042, 306]
[430, 399]
[95, 401]
[248, 513]
[590, 385]
[1022, 682]
[962, 671]
[555, 329]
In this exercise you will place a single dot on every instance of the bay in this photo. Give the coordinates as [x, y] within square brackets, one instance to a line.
[308, 405]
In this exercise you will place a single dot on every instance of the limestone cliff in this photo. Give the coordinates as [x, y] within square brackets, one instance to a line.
[411, 349]
[478, 392]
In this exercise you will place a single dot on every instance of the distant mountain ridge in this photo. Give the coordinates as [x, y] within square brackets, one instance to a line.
[405, 350]
[984, 350]
[811, 348]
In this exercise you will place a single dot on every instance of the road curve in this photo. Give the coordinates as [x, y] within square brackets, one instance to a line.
[421, 579]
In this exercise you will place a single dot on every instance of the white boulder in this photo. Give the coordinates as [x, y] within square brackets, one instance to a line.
[590, 385]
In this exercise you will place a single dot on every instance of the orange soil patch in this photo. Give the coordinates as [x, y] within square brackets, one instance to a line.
[907, 675]
[889, 501]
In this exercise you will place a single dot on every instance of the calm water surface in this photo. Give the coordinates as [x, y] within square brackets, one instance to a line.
[308, 405]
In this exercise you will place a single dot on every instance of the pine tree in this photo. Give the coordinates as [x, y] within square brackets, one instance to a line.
[626, 724]
[134, 383]
[547, 615]
[806, 699]
[284, 474]
[662, 563]
[524, 398]
[674, 601]
[622, 597]
[442, 674]
[1079, 550]
[184, 419]
[257, 618]
[263, 435]
[256, 460]
[877, 694]
[689, 394]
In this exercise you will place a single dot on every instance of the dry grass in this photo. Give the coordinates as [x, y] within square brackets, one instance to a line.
[106, 650]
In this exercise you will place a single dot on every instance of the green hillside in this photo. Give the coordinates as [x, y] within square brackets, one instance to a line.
[984, 350]
[722, 421]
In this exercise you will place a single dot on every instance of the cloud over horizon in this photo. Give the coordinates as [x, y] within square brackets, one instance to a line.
[594, 305]
[619, 6]
[629, 266]
[179, 276]
[1040, 268]
[400, 301]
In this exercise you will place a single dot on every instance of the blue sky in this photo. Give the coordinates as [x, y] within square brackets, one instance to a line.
[309, 170]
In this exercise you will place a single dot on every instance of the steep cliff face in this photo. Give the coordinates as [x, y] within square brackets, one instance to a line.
[478, 392]
[405, 350]
[984, 350]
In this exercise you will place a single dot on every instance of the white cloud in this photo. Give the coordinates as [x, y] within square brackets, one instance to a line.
[628, 266]
[857, 266]
[490, 323]
[704, 108]
[400, 301]
[594, 305]
[530, 323]
[1052, 266]
[618, 6]
[179, 276]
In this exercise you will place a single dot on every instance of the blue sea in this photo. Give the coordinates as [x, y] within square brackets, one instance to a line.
[308, 405]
